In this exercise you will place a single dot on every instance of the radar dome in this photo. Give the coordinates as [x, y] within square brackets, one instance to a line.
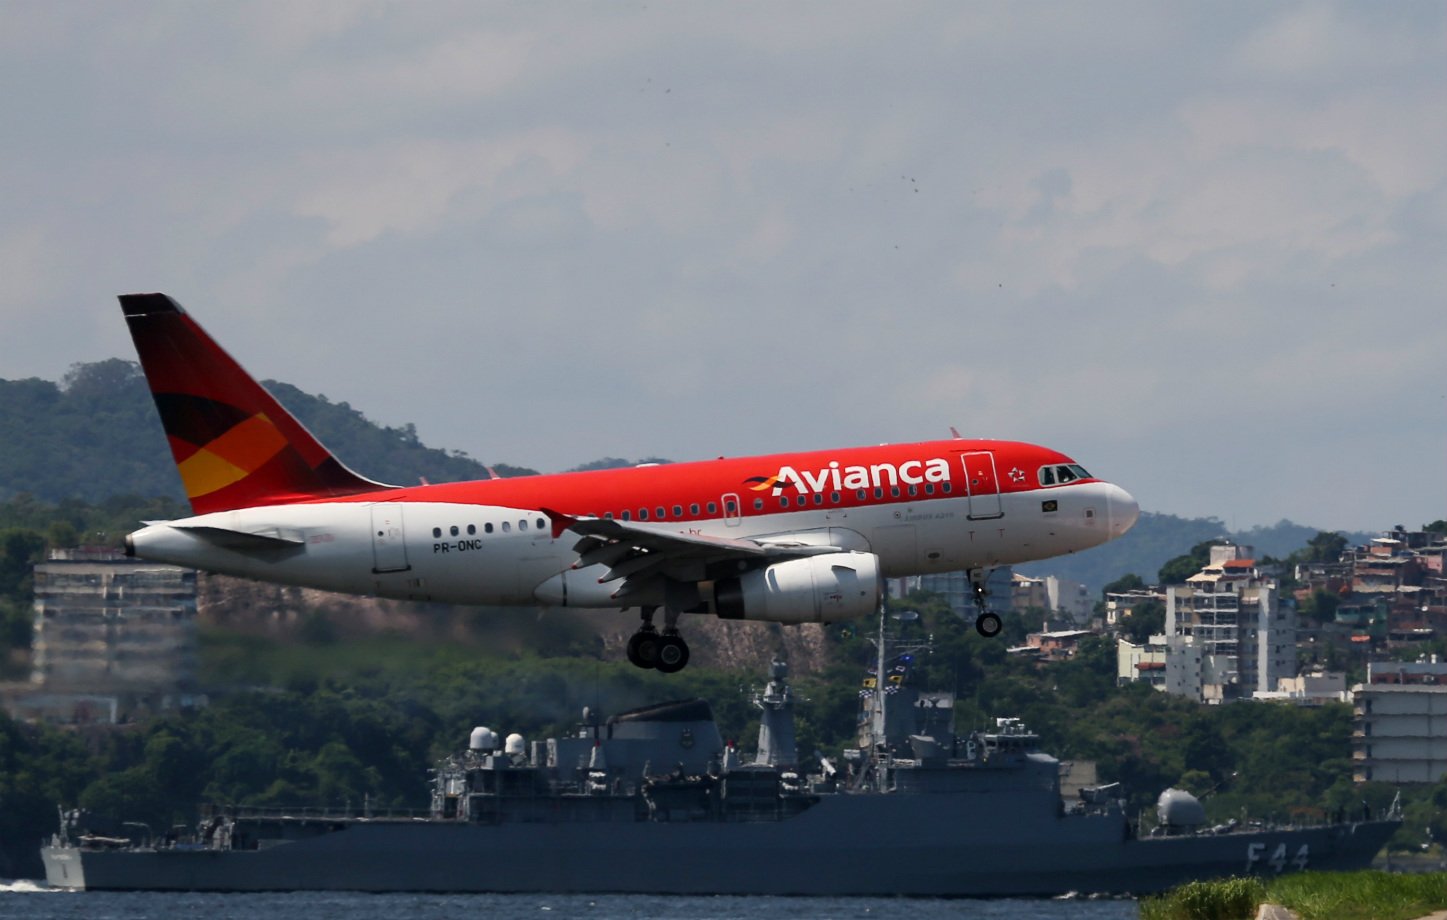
[515, 744]
[482, 739]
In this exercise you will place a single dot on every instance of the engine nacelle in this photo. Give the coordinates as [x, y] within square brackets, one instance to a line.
[814, 589]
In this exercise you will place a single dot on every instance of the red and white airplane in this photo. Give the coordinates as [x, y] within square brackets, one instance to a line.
[788, 538]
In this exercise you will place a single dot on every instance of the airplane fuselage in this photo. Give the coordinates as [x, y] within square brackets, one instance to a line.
[919, 508]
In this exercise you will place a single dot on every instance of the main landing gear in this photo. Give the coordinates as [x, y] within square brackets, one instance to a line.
[988, 623]
[665, 651]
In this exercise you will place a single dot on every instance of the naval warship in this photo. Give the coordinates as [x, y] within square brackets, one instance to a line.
[653, 801]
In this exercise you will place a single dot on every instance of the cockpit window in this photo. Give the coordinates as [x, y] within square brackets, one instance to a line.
[1062, 473]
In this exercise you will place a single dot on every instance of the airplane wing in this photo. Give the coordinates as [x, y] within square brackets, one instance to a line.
[636, 554]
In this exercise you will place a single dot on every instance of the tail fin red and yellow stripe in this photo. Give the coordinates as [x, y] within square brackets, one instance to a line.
[235, 446]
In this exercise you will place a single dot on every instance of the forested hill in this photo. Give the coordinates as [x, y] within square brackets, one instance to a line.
[95, 435]
[1158, 538]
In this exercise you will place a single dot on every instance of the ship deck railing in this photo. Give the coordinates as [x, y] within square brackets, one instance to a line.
[315, 813]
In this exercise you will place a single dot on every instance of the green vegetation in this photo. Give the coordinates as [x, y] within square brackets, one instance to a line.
[96, 435]
[1312, 895]
[1227, 899]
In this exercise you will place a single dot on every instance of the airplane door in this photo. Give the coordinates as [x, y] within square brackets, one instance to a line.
[982, 486]
[733, 510]
[389, 551]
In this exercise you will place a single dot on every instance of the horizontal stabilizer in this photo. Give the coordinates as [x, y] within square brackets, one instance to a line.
[242, 540]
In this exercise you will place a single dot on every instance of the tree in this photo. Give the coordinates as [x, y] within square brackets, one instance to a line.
[1145, 619]
[1177, 570]
[1326, 546]
[1125, 583]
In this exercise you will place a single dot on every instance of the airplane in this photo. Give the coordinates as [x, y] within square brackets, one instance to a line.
[787, 538]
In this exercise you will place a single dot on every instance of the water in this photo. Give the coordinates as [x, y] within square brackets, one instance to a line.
[28, 901]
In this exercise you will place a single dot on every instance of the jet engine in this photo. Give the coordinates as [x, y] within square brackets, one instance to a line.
[814, 589]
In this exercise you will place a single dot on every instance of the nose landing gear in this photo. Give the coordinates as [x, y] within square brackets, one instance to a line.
[988, 623]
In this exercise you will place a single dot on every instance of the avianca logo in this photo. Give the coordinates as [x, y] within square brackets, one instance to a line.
[838, 478]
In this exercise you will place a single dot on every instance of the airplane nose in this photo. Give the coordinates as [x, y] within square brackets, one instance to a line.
[1121, 509]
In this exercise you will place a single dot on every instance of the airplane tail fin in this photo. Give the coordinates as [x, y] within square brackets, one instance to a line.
[235, 446]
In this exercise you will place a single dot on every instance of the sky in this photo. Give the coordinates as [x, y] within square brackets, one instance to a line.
[1199, 247]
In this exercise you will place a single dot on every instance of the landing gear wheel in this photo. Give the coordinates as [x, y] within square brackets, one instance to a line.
[643, 649]
[988, 625]
[671, 654]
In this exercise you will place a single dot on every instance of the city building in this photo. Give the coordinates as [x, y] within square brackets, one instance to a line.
[960, 595]
[1400, 727]
[113, 638]
[1145, 663]
[1228, 634]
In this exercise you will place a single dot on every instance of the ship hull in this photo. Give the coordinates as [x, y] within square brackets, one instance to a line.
[848, 845]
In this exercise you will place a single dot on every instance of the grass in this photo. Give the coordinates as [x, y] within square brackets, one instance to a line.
[1365, 895]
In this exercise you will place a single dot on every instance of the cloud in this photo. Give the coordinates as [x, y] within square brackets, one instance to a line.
[546, 233]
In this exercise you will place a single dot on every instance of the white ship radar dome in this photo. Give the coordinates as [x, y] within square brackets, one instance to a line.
[515, 744]
[482, 739]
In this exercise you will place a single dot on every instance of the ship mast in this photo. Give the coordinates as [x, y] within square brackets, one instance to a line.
[886, 646]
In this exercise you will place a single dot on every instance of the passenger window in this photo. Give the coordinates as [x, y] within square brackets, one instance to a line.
[522, 525]
[678, 511]
[607, 515]
[878, 491]
[506, 527]
[642, 514]
[834, 497]
[894, 491]
[627, 516]
[929, 488]
[783, 501]
[471, 529]
[662, 514]
[693, 508]
[758, 504]
[713, 507]
[945, 488]
[453, 530]
[818, 498]
[487, 528]
[436, 532]
[861, 495]
[731, 508]
[913, 491]
[542, 524]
